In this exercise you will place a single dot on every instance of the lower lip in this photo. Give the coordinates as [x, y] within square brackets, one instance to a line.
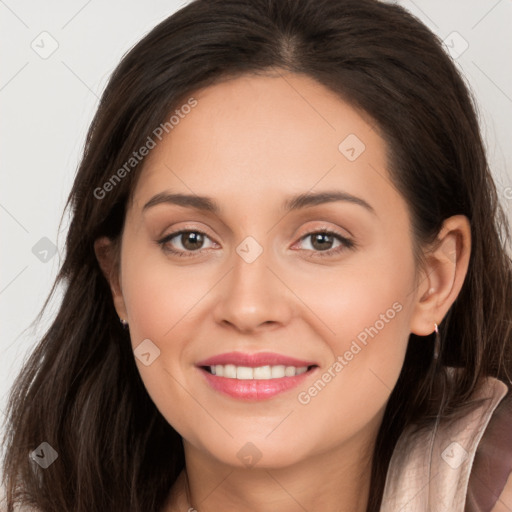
[254, 389]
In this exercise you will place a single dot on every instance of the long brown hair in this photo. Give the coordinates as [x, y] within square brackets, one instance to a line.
[80, 390]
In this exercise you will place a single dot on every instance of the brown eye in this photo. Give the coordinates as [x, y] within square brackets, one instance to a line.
[322, 241]
[190, 241]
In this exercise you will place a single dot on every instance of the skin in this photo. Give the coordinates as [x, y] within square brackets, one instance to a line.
[249, 144]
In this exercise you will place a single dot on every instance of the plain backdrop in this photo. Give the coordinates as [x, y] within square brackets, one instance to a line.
[56, 57]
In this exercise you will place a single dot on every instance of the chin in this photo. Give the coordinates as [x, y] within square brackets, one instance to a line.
[256, 454]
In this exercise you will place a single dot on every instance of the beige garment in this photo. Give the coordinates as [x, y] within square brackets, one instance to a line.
[429, 471]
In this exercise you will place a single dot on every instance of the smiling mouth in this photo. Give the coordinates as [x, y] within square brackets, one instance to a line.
[266, 372]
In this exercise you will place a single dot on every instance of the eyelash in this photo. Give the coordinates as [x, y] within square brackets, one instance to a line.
[346, 243]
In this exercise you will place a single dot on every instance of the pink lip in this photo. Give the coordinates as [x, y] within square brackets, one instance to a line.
[254, 389]
[254, 360]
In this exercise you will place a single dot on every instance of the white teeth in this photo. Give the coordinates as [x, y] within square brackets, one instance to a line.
[244, 372]
[260, 372]
[229, 371]
[278, 371]
[289, 371]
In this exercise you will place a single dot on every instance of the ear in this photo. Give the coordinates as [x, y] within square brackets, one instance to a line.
[440, 282]
[108, 258]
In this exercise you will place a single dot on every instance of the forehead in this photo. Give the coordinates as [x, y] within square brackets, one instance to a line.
[263, 135]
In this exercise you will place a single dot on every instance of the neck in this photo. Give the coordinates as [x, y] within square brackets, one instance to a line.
[335, 481]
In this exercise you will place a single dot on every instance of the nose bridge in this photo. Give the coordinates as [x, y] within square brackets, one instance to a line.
[252, 294]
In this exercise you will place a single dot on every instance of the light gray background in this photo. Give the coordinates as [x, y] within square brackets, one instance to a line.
[48, 103]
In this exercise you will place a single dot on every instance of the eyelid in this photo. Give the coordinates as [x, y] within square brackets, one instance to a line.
[187, 227]
[327, 228]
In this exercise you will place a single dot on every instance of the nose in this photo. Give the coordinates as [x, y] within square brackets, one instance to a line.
[253, 296]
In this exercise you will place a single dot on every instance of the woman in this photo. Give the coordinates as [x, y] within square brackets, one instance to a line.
[209, 353]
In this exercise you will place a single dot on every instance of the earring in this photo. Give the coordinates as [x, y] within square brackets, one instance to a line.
[124, 323]
[437, 345]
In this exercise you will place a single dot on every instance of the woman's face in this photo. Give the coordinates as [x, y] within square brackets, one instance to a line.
[284, 161]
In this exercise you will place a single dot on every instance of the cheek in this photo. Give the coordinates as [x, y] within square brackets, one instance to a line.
[364, 315]
[159, 294]
[162, 302]
[366, 299]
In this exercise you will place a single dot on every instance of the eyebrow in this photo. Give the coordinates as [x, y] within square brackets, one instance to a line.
[297, 202]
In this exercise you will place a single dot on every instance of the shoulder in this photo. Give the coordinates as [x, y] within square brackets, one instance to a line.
[434, 464]
[490, 483]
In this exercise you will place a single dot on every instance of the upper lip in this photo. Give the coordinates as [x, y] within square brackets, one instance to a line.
[254, 360]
